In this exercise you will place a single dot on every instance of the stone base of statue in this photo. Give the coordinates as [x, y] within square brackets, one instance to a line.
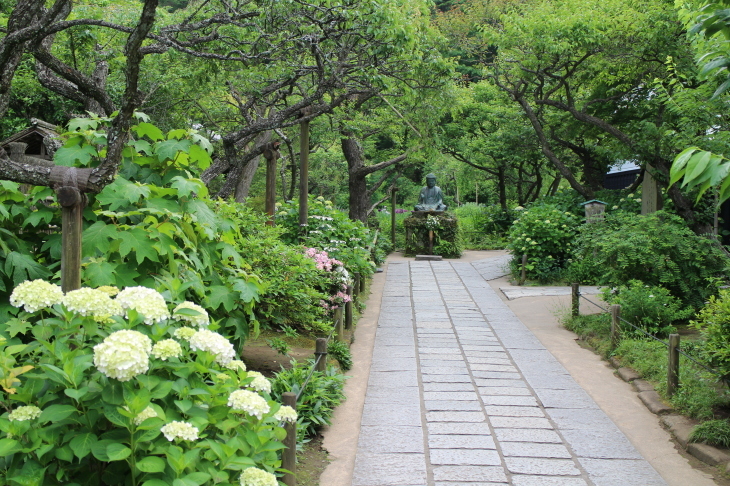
[432, 233]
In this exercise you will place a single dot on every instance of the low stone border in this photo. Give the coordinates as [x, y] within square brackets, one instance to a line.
[680, 426]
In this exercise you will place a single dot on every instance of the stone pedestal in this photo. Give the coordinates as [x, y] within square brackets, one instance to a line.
[432, 233]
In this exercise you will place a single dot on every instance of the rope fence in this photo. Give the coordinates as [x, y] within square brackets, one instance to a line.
[288, 456]
[673, 345]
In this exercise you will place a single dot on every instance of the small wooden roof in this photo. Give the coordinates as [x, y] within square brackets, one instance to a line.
[33, 136]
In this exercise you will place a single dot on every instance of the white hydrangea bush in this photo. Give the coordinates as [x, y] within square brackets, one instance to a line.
[150, 385]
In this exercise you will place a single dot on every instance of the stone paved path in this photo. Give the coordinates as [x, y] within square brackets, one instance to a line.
[461, 392]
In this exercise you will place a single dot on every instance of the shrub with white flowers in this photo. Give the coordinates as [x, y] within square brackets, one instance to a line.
[198, 316]
[126, 397]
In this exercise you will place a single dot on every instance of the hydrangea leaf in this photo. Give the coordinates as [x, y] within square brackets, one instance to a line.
[81, 444]
[151, 464]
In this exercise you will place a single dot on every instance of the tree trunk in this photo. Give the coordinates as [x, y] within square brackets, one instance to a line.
[357, 183]
[502, 184]
[243, 186]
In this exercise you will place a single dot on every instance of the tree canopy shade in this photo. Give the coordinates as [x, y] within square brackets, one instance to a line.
[269, 61]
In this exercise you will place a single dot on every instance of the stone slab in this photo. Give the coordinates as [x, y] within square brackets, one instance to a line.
[458, 441]
[464, 457]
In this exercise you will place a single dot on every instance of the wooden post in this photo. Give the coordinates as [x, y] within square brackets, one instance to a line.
[289, 455]
[348, 309]
[651, 199]
[321, 350]
[271, 155]
[362, 285]
[575, 301]
[356, 286]
[430, 242]
[673, 365]
[339, 325]
[392, 217]
[72, 204]
[615, 325]
[304, 172]
[523, 273]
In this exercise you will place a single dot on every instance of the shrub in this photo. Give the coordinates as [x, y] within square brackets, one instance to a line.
[545, 234]
[329, 230]
[650, 308]
[657, 249]
[713, 321]
[318, 399]
[340, 352]
[94, 397]
[483, 227]
[712, 432]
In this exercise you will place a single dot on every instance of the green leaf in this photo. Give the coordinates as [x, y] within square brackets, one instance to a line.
[113, 393]
[118, 452]
[184, 482]
[22, 267]
[149, 130]
[9, 446]
[37, 217]
[97, 274]
[82, 443]
[121, 193]
[198, 478]
[98, 449]
[186, 187]
[200, 157]
[75, 155]
[151, 464]
[56, 413]
[155, 482]
[247, 291]
[696, 165]
[139, 241]
[168, 149]
[97, 238]
[16, 326]
[220, 295]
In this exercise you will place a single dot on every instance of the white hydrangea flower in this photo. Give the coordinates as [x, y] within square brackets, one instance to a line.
[260, 383]
[249, 402]
[214, 343]
[148, 302]
[123, 355]
[236, 365]
[179, 430]
[33, 295]
[286, 414]
[148, 412]
[167, 348]
[254, 476]
[92, 302]
[201, 320]
[21, 414]
[184, 333]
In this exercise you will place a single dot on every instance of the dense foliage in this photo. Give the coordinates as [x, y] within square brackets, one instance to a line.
[545, 234]
[123, 391]
[657, 249]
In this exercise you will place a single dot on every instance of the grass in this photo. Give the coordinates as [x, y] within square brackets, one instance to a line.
[700, 395]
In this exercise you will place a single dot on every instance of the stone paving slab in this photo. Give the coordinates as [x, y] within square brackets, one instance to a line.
[462, 393]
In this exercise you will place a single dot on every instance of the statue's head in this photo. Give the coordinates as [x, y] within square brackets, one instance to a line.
[430, 180]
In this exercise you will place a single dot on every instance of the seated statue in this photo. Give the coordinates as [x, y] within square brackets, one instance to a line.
[431, 198]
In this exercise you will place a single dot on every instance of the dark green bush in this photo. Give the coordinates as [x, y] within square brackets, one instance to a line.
[713, 321]
[649, 308]
[712, 432]
[545, 234]
[340, 352]
[657, 249]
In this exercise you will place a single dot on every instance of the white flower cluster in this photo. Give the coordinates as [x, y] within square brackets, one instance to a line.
[167, 348]
[260, 383]
[33, 295]
[179, 430]
[236, 365]
[110, 290]
[214, 343]
[184, 333]
[148, 302]
[92, 302]
[249, 402]
[286, 414]
[28, 412]
[254, 476]
[148, 412]
[123, 355]
[201, 320]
